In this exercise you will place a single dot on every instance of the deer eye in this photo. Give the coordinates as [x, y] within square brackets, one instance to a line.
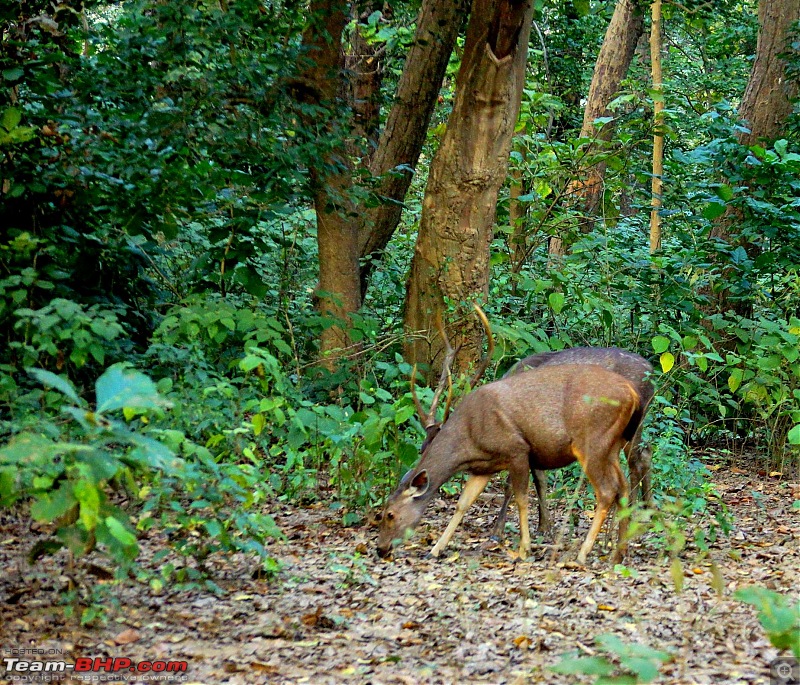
[390, 516]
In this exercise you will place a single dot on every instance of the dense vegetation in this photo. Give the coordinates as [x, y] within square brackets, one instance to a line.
[157, 215]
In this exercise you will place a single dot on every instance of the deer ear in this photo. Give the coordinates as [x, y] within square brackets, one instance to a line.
[419, 484]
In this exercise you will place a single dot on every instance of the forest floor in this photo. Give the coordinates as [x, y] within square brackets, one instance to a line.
[337, 614]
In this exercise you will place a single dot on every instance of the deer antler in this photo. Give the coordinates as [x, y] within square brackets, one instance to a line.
[429, 419]
[484, 362]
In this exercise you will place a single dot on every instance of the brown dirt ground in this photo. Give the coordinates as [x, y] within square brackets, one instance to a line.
[337, 614]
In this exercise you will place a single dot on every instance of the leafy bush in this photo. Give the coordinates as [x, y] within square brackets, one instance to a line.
[778, 614]
[621, 664]
[69, 472]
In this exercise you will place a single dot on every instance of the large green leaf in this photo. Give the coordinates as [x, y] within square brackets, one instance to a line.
[47, 378]
[122, 387]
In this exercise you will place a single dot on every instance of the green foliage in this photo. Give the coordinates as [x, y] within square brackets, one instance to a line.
[778, 614]
[70, 471]
[155, 200]
[622, 664]
[67, 475]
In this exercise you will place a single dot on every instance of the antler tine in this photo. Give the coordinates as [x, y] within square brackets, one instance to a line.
[423, 417]
[446, 377]
[484, 362]
[449, 397]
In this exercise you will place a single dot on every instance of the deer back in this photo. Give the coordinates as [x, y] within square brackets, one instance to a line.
[631, 366]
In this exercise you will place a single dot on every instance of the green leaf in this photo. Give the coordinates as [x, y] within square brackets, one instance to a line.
[556, 301]
[713, 210]
[49, 379]
[586, 665]
[213, 528]
[13, 74]
[88, 494]
[259, 423]
[667, 361]
[404, 414]
[735, 379]
[122, 387]
[660, 344]
[50, 506]
[11, 118]
[581, 7]
[725, 192]
[794, 435]
[646, 670]
[119, 531]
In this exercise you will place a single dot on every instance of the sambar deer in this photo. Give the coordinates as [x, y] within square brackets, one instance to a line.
[546, 419]
[636, 370]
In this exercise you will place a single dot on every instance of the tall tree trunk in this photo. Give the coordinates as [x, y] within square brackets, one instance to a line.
[767, 100]
[658, 128]
[766, 106]
[364, 64]
[345, 233]
[516, 218]
[331, 180]
[451, 260]
[613, 62]
[407, 124]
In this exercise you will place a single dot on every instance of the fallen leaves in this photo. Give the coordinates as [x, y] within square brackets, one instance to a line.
[338, 614]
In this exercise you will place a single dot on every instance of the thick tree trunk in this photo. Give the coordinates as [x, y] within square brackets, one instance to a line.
[331, 180]
[613, 62]
[765, 106]
[767, 100]
[451, 260]
[407, 124]
[345, 232]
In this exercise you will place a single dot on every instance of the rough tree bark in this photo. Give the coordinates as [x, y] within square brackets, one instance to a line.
[345, 234]
[613, 62]
[766, 106]
[337, 238]
[451, 260]
[401, 142]
[767, 100]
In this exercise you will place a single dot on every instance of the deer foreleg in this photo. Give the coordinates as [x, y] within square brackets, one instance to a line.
[472, 489]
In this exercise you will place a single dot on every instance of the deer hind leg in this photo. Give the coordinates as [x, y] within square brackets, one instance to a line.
[499, 525]
[610, 486]
[518, 477]
[640, 460]
[540, 483]
[545, 523]
[472, 489]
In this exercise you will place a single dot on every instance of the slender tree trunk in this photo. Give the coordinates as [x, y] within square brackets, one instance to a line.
[516, 219]
[407, 124]
[339, 291]
[613, 62]
[364, 64]
[451, 260]
[658, 130]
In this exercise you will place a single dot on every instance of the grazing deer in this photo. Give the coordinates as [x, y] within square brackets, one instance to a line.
[546, 418]
[636, 370]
